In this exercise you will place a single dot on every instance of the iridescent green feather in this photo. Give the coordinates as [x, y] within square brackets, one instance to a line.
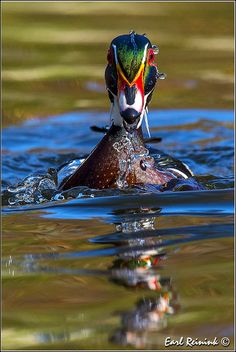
[130, 51]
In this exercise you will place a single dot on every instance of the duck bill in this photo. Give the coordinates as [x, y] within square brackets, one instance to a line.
[131, 98]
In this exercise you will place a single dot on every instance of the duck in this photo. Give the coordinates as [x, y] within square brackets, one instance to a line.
[122, 158]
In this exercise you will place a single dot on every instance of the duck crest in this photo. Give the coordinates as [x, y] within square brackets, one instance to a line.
[121, 158]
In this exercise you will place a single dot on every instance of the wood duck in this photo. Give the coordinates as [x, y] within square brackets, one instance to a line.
[121, 158]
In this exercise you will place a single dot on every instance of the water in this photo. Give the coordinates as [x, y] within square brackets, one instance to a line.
[116, 269]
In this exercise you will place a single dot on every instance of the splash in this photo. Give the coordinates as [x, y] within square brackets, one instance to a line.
[39, 188]
[68, 169]
[32, 189]
[129, 152]
[124, 147]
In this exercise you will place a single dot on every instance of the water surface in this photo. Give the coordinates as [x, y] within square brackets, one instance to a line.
[116, 269]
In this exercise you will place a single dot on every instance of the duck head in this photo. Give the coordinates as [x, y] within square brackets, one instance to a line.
[131, 76]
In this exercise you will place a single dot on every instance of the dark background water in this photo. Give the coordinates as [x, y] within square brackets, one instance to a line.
[115, 269]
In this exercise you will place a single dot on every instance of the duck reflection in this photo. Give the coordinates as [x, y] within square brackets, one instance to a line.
[139, 259]
[140, 270]
[149, 314]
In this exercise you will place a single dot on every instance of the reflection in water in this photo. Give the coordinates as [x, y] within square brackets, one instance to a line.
[136, 266]
[140, 270]
[139, 252]
[149, 314]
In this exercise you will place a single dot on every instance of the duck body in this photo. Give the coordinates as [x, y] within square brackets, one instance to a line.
[121, 158]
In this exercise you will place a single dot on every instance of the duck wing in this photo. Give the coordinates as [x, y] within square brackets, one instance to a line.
[166, 162]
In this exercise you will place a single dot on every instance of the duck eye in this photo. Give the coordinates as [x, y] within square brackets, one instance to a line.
[151, 56]
[110, 57]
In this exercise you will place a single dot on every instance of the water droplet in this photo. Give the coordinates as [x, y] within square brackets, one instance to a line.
[162, 75]
[46, 184]
[143, 165]
[10, 189]
[11, 201]
[58, 196]
[155, 49]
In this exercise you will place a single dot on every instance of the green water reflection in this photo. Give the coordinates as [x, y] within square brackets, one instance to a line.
[54, 54]
[66, 311]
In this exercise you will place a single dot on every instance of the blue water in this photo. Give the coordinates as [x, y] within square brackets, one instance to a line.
[116, 268]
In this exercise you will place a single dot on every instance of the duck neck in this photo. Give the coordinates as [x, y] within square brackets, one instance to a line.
[117, 121]
[125, 144]
[120, 132]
